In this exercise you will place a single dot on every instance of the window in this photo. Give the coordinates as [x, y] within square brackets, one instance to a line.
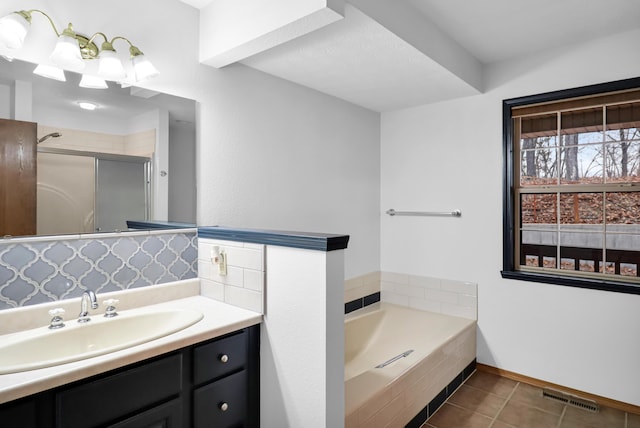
[572, 187]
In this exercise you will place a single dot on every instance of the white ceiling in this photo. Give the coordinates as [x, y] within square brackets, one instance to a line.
[198, 4]
[496, 30]
[360, 61]
[363, 61]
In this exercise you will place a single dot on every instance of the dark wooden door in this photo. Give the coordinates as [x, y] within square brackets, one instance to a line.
[18, 178]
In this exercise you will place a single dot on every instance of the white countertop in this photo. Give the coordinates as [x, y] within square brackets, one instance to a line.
[219, 319]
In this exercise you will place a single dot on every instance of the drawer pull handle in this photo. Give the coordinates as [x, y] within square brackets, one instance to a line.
[224, 358]
[224, 407]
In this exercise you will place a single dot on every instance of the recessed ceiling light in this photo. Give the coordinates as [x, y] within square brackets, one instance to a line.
[87, 105]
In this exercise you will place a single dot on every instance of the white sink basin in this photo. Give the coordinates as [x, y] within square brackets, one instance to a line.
[42, 347]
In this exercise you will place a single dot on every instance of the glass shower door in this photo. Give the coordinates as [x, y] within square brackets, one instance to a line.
[122, 193]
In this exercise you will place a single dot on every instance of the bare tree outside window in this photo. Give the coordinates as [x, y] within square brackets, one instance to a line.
[572, 165]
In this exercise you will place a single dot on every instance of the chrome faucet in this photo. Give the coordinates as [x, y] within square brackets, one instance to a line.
[87, 297]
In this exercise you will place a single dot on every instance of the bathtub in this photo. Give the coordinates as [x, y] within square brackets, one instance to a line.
[418, 354]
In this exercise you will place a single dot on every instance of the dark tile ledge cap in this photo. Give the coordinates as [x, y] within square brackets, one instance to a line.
[305, 240]
[153, 224]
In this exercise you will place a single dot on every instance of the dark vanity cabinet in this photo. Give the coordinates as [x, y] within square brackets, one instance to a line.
[214, 384]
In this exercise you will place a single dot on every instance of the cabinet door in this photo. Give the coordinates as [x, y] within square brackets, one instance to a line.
[20, 414]
[222, 404]
[166, 415]
[114, 396]
[34, 411]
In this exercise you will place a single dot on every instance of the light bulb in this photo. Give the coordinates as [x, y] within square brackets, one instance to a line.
[66, 54]
[13, 29]
[143, 69]
[110, 66]
[50, 72]
[92, 82]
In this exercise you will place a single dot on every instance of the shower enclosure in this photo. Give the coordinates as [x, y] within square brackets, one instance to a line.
[85, 192]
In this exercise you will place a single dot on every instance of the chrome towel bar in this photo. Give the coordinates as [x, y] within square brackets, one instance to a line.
[394, 359]
[454, 213]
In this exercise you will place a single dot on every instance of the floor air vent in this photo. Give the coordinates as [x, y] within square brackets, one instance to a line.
[571, 400]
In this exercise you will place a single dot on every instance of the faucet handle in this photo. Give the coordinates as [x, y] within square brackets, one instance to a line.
[56, 320]
[110, 312]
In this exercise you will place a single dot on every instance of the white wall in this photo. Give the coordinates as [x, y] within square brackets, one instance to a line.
[81, 120]
[279, 156]
[302, 342]
[182, 175]
[16, 100]
[271, 154]
[449, 155]
[5, 101]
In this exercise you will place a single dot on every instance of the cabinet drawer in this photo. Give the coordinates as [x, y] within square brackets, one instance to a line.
[222, 404]
[104, 400]
[220, 358]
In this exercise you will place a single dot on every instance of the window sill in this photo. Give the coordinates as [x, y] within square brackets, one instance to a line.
[593, 284]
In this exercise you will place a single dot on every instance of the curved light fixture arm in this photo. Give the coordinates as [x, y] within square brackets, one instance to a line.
[133, 50]
[108, 44]
[26, 14]
[88, 47]
[121, 38]
[92, 38]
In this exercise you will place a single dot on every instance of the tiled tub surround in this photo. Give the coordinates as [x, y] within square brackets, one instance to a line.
[43, 269]
[243, 285]
[397, 394]
[442, 296]
[361, 291]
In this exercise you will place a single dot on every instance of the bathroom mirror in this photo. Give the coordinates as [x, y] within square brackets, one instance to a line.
[151, 132]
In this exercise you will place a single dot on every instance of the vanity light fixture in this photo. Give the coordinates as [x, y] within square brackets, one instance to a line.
[72, 50]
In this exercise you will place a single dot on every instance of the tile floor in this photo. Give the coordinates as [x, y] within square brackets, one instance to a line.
[490, 401]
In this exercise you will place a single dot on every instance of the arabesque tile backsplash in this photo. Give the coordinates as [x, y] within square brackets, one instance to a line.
[38, 270]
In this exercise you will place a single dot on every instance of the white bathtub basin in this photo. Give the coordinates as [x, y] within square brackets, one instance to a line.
[42, 347]
[400, 357]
